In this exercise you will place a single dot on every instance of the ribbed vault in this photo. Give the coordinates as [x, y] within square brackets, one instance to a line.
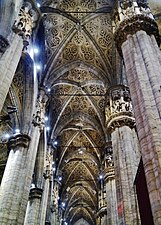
[79, 49]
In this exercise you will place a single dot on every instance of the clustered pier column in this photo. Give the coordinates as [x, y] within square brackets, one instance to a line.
[136, 36]
[11, 51]
[12, 183]
[17, 176]
[36, 191]
[37, 148]
[121, 124]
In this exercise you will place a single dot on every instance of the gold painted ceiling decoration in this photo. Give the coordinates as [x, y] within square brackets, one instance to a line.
[79, 47]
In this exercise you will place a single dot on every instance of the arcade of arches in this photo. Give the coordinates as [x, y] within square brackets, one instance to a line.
[80, 102]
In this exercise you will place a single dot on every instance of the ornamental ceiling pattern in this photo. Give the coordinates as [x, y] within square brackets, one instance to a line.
[79, 47]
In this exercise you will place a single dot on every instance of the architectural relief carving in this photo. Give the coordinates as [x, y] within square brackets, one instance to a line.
[119, 107]
[25, 22]
[23, 25]
[130, 17]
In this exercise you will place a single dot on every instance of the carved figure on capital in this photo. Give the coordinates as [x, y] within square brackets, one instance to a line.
[26, 20]
[118, 101]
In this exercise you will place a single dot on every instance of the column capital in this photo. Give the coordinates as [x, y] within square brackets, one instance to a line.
[130, 17]
[35, 193]
[119, 110]
[18, 140]
[26, 20]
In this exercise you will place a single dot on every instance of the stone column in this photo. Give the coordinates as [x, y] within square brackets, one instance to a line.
[55, 198]
[120, 122]
[17, 176]
[109, 178]
[9, 11]
[48, 180]
[136, 35]
[35, 196]
[38, 128]
[12, 183]
[33, 207]
[102, 209]
[10, 53]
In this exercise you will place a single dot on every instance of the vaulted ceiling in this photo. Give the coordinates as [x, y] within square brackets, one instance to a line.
[79, 66]
[79, 69]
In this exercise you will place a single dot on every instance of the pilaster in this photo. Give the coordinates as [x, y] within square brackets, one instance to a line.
[10, 51]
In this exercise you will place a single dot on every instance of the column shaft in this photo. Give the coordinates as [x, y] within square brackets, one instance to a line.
[33, 208]
[112, 218]
[142, 59]
[9, 11]
[126, 163]
[144, 85]
[8, 65]
[126, 154]
[12, 185]
[44, 202]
